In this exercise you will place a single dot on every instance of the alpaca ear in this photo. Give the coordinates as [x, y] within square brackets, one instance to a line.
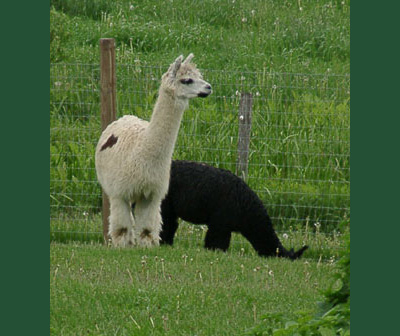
[188, 59]
[173, 69]
[299, 253]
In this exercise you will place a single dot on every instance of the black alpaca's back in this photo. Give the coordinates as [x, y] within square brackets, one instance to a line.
[202, 194]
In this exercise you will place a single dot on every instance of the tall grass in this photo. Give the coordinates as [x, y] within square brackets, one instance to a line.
[295, 36]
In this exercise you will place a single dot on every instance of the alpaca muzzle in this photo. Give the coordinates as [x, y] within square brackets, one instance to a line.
[203, 94]
[206, 92]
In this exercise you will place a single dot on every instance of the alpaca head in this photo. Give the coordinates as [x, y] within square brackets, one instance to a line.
[184, 81]
[295, 255]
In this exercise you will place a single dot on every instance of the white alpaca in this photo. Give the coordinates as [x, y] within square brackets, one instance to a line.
[133, 157]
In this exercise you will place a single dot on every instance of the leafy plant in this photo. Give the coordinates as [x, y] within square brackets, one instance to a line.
[333, 317]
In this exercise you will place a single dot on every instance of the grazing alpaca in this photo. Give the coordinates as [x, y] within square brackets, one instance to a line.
[202, 194]
[133, 157]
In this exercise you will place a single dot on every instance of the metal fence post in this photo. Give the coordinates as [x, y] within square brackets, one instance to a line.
[108, 105]
[245, 109]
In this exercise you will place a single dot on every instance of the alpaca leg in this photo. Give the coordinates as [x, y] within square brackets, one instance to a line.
[169, 227]
[169, 224]
[148, 222]
[121, 223]
[217, 237]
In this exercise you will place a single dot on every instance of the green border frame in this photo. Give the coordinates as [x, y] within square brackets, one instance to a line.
[374, 148]
[25, 245]
[25, 168]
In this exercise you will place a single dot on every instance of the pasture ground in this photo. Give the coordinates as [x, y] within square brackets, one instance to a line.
[181, 290]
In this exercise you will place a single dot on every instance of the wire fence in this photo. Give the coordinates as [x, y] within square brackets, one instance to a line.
[298, 160]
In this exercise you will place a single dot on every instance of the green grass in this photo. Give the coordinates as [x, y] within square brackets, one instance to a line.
[322, 246]
[293, 36]
[99, 290]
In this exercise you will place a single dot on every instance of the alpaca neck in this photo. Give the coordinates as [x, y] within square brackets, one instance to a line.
[265, 242]
[164, 124]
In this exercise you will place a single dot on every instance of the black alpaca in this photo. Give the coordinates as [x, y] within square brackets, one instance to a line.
[201, 194]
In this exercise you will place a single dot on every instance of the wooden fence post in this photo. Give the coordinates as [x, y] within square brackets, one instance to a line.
[245, 109]
[108, 105]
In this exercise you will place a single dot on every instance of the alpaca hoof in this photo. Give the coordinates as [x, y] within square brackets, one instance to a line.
[147, 239]
[122, 238]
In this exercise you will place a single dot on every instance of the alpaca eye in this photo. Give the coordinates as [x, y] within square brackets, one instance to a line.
[187, 81]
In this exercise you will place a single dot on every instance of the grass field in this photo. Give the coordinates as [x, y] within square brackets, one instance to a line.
[96, 290]
[294, 58]
[284, 36]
